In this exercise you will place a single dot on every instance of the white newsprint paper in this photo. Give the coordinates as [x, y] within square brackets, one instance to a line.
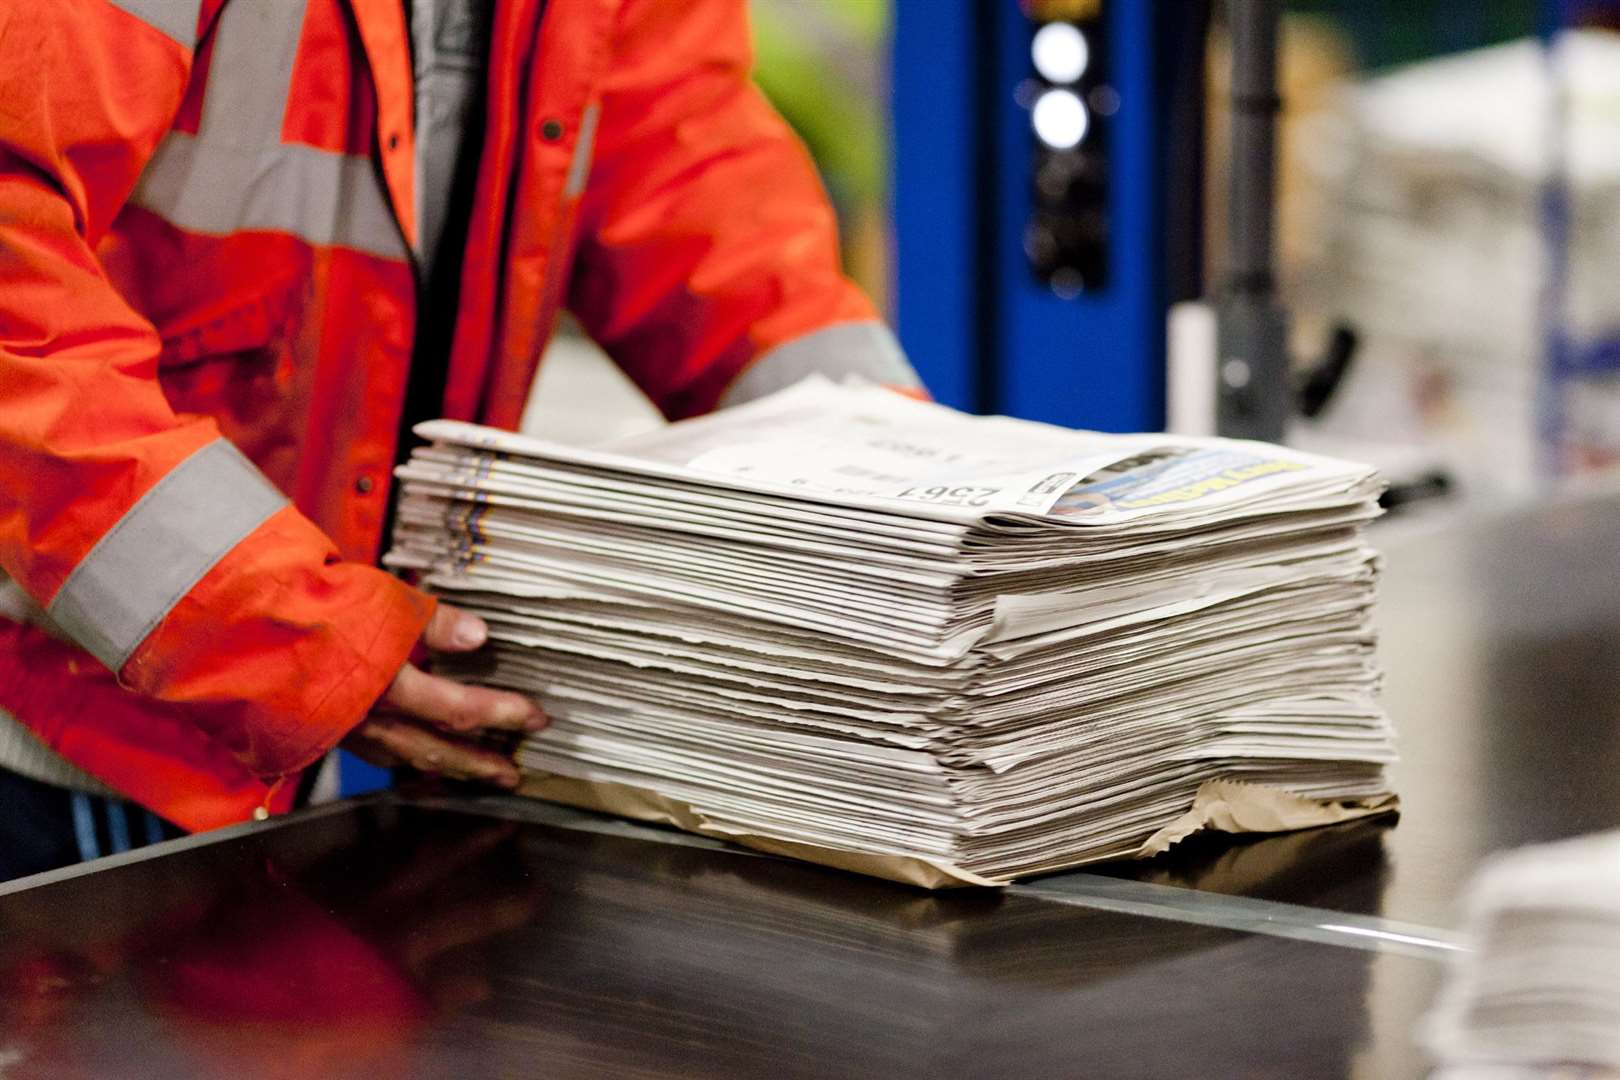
[848, 625]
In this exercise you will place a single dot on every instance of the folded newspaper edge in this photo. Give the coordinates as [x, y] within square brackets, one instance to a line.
[1228, 806]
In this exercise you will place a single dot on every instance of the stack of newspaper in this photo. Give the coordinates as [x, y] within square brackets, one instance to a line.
[886, 635]
[1431, 171]
[1538, 992]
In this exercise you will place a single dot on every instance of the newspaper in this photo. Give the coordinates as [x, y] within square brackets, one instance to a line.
[840, 620]
[866, 448]
[1537, 991]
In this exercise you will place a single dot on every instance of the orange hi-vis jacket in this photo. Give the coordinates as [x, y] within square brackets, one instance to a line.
[207, 312]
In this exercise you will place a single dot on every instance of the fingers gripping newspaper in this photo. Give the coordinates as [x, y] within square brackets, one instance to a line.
[881, 634]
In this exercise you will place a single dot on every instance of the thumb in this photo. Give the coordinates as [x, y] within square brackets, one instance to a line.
[454, 630]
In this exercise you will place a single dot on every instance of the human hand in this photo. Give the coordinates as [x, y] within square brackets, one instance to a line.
[433, 724]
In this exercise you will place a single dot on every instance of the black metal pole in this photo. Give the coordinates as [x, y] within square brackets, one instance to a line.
[1255, 390]
[1254, 145]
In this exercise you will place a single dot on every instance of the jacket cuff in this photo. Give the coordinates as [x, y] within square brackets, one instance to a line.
[867, 349]
[280, 650]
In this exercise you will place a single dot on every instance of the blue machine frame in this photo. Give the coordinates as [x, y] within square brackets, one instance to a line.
[985, 334]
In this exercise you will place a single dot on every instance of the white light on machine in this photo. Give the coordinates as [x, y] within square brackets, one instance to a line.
[1060, 52]
[1060, 119]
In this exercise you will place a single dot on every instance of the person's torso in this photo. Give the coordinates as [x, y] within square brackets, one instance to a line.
[273, 238]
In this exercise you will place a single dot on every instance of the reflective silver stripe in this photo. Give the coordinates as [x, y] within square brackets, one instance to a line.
[175, 18]
[867, 349]
[580, 167]
[255, 45]
[160, 548]
[321, 197]
[237, 175]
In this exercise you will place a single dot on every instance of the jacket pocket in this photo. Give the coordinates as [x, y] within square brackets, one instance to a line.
[242, 368]
[244, 328]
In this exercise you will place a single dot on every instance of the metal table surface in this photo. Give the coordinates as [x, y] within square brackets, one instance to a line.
[493, 936]
[396, 939]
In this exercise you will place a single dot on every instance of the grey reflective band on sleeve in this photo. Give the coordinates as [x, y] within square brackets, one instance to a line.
[580, 167]
[867, 349]
[160, 548]
[176, 19]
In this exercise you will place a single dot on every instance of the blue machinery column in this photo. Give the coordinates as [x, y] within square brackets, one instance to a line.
[986, 332]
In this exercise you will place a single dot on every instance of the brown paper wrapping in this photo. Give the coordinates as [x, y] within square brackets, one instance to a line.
[1231, 806]
[646, 805]
[1221, 805]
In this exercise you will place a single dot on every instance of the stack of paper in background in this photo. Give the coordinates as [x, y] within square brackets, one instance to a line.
[1438, 252]
[1538, 992]
[889, 636]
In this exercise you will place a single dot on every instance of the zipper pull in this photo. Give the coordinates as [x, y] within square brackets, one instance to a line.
[262, 811]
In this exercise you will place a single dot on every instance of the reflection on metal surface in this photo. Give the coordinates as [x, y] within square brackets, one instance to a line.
[518, 808]
[169, 847]
[1443, 940]
[392, 939]
[1213, 882]
[1241, 913]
